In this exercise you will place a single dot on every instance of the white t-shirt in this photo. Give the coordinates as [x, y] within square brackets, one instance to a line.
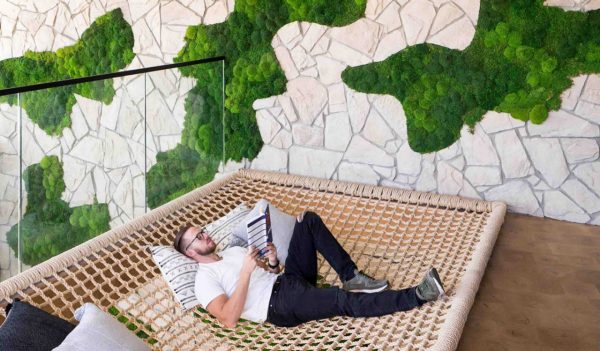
[221, 277]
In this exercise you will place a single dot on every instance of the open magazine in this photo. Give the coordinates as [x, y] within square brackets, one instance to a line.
[259, 231]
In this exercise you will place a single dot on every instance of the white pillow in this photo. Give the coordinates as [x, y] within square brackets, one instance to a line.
[282, 225]
[221, 229]
[180, 271]
[98, 331]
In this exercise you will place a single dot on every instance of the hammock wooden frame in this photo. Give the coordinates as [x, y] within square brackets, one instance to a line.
[390, 232]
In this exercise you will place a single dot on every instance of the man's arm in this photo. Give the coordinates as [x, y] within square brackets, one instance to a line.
[229, 310]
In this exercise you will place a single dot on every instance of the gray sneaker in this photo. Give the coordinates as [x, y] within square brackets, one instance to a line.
[431, 288]
[363, 283]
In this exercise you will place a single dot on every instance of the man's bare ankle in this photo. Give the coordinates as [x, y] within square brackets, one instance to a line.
[300, 217]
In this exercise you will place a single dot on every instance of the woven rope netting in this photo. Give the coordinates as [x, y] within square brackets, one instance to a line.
[390, 233]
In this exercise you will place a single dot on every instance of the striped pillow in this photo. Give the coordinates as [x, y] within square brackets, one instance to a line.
[180, 271]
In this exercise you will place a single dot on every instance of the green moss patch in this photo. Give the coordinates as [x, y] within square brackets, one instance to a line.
[520, 61]
[106, 46]
[49, 226]
[177, 172]
[251, 72]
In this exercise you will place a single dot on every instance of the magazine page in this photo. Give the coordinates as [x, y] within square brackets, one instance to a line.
[259, 231]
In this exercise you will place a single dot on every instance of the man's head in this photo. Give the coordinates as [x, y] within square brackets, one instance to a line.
[194, 242]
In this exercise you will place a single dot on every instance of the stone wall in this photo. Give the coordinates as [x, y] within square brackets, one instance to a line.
[318, 127]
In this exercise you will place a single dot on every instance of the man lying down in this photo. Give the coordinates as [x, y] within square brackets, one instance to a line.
[236, 283]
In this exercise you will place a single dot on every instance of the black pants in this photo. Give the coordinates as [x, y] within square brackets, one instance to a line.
[296, 299]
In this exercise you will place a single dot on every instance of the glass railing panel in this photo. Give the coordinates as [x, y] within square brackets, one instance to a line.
[9, 185]
[79, 159]
[82, 157]
[184, 136]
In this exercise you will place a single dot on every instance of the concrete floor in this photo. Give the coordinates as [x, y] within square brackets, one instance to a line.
[541, 289]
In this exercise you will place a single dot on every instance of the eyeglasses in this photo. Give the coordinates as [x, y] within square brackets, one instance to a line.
[201, 232]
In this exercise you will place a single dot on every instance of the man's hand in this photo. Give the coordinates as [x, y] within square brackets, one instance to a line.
[250, 260]
[272, 254]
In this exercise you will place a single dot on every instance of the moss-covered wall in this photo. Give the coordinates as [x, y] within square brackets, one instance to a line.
[522, 58]
[49, 226]
[104, 47]
[252, 72]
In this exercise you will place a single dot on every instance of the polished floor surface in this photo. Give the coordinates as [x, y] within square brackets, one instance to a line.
[541, 289]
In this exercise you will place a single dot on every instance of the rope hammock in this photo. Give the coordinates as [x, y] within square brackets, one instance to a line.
[391, 233]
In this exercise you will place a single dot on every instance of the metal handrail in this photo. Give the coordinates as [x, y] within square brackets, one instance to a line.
[60, 83]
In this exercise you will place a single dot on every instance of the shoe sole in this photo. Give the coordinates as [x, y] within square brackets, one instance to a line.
[436, 280]
[368, 290]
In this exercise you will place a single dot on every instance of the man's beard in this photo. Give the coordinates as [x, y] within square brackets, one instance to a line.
[208, 251]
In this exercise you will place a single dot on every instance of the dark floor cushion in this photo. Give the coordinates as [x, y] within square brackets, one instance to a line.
[28, 328]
